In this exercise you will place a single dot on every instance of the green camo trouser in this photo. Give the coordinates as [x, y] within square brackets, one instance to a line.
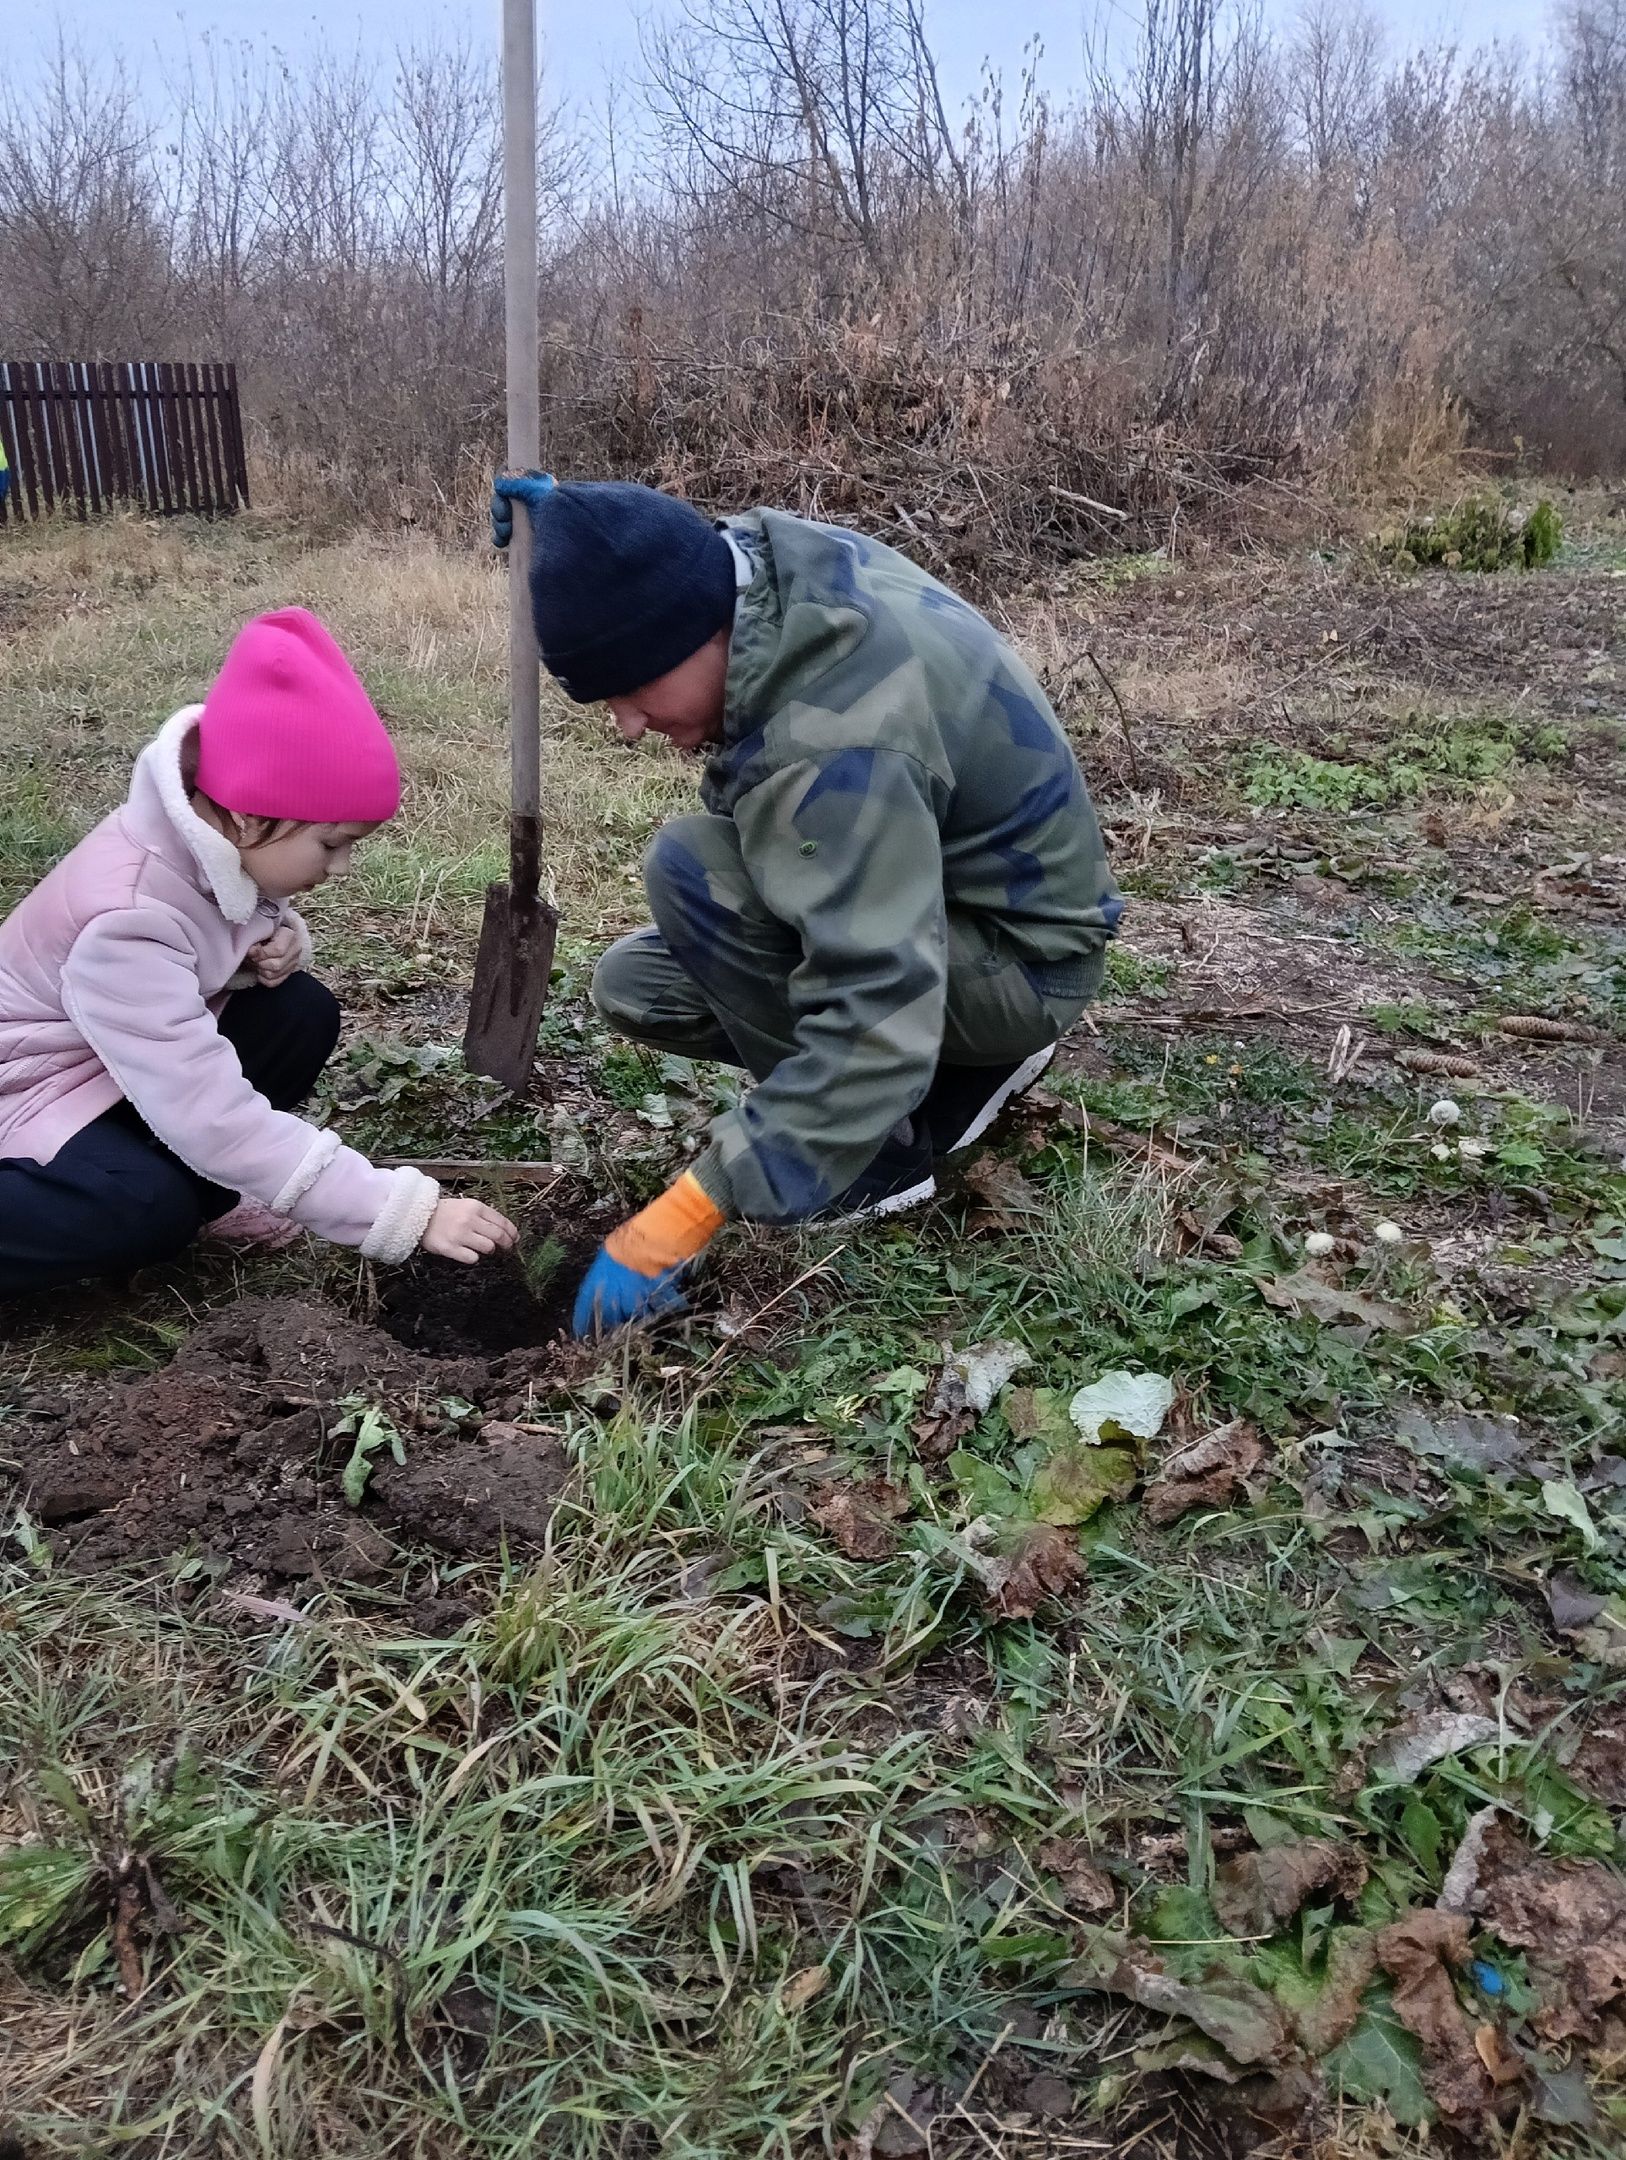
[729, 998]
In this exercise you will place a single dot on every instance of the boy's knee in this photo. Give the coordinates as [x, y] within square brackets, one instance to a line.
[693, 873]
[619, 987]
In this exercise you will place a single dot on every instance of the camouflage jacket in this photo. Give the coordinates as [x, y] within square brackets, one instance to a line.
[885, 757]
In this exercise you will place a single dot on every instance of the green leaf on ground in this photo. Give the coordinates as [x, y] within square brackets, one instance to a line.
[1380, 2060]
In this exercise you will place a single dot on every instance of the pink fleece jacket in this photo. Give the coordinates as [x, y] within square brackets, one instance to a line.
[112, 971]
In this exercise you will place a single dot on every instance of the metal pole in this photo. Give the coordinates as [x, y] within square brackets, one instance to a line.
[524, 422]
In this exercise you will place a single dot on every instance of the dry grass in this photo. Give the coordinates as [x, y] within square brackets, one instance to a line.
[119, 623]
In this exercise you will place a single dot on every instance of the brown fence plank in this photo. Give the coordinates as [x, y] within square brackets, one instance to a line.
[166, 434]
[234, 415]
[219, 449]
[12, 506]
[113, 414]
[202, 402]
[95, 436]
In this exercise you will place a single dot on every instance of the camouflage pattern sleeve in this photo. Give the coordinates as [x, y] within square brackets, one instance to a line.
[844, 849]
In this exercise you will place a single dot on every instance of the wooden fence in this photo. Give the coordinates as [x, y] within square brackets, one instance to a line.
[84, 434]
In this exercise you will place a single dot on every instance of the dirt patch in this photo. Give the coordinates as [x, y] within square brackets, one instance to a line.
[238, 1450]
[448, 1310]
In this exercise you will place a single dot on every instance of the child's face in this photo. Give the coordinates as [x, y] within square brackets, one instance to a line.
[300, 860]
[685, 704]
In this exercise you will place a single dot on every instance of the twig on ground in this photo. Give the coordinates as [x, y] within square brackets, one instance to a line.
[1123, 717]
[473, 1166]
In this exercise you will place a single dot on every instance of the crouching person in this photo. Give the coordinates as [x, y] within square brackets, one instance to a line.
[896, 897]
[158, 1026]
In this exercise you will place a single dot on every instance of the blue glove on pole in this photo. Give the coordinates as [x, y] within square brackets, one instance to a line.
[612, 1294]
[508, 489]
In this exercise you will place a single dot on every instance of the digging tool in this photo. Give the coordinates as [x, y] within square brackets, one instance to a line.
[517, 934]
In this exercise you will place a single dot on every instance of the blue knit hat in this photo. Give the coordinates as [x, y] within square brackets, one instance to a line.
[625, 584]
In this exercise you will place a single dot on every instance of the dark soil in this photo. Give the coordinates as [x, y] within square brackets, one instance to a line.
[445, 1309]
[233, 1450]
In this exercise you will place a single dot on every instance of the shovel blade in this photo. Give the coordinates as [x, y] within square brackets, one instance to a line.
[510, 988]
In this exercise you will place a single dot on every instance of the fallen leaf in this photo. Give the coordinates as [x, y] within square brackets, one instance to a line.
[1243, 2019]
[1564, 2098]
[1032, 1562]
[1204, 1237]
[1006, 1198]
[1256, 1893]
[1504, 2065]
[1419, 1952]
[1313, 1298]
[1559, 1497]
[1205, 1472]
[1428, 1737]
[1479, 1443]
[1380, 2060]
[1192, 2053]
[1122, 1405]
[1595, 1623]
[1084, 1887]
[800, 1989]
[966, 1386]
[1324, 2010]
[860, 1516]
[1569, 1917]
[1461, 1883]
[1076, 1480]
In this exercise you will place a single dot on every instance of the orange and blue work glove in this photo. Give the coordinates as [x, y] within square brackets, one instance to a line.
[636, 1272]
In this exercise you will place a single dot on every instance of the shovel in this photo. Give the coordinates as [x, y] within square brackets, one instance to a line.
[517, 934]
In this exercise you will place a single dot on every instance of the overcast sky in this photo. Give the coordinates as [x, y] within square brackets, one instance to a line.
[586, 38]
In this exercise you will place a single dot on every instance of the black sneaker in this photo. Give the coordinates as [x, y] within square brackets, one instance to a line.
[965, 1099]
[899, 1177]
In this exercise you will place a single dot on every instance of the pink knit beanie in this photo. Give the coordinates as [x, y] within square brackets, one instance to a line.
[288, 731]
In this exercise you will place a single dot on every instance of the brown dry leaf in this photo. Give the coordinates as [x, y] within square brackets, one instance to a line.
[1418, 1953]
[1204, 1239]
[800, 1989]
[1245, 2021]
[1205, 1472]
[965, 1388]
[1570, 1917]
[1501, 2058]
[1311, 1294]
[1258, 1892]
[860, 1516]
[1443, 1064]
[1038, 1562]
[1536, 1027]
[1084, 1887]
[1332, 2017]
[1006, 1198]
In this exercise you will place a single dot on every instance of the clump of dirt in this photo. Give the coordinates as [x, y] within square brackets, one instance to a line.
[239, 1448]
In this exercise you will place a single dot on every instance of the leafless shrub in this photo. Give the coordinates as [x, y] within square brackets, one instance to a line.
[1232, 263]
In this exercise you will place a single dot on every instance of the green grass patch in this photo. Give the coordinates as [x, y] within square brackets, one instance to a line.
[1483, 532]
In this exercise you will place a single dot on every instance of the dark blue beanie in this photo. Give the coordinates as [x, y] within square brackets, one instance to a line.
[625, 583]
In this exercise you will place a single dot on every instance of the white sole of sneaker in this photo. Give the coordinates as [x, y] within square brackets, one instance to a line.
[897, 1203]
[1018, 1084]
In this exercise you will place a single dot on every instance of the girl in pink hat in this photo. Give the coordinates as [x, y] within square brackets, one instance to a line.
[158, 1027]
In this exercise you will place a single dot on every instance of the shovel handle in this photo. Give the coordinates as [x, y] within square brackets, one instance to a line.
[524, 431]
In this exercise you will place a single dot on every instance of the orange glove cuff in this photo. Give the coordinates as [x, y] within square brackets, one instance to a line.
[669, 1231]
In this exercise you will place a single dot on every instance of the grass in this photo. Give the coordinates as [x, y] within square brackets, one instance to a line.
[705, 1834]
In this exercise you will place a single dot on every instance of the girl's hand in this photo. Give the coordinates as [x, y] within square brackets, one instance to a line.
[467, 1230]
[275, 958]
